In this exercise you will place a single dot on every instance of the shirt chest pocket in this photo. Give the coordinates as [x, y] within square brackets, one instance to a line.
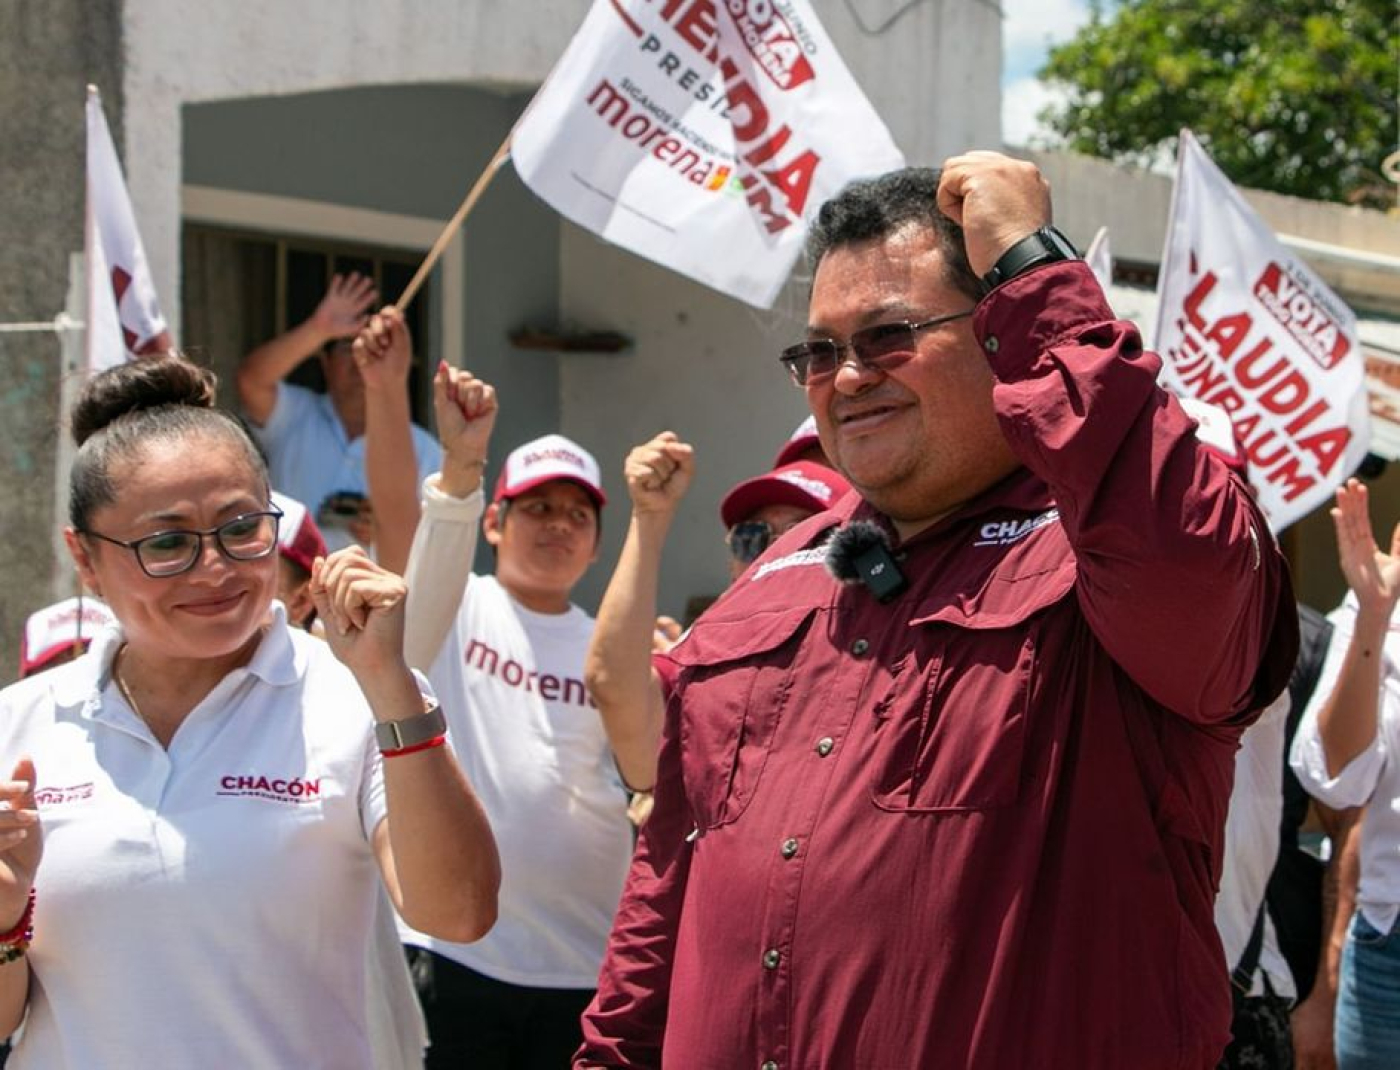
[735, 680]
[950, 736]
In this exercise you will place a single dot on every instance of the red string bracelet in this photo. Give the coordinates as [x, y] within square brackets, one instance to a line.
[15, 943]
[427, 744]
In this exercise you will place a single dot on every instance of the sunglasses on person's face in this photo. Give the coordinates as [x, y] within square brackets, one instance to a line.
[882, 347]
[749, 538]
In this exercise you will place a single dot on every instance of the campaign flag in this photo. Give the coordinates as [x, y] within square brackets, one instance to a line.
[700, 134]
[1244, 324]
[124, 319]
[1099, 257]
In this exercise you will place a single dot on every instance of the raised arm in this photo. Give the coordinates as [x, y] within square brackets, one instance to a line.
[384, 354]
[439, 564]
[435, 848]
[1347, 722]
[1177, 573]
[618, 667]
[340, 314]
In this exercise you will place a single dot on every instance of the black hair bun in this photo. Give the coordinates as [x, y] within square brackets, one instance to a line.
[147, 383]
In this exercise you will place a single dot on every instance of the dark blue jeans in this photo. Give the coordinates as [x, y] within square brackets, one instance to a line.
[1368, 999]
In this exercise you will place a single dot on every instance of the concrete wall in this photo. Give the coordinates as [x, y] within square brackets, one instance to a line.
[49, 51]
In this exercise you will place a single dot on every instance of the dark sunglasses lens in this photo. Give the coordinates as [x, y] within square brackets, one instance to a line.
[812, 360]
[884, 344]
[748, 540]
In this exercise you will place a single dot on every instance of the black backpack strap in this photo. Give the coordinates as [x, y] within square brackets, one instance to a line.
[1242, 976]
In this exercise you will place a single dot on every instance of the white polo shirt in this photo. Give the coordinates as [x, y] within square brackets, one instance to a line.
[1372, 777]
[533, 746]
[208, 905]
[310, 458]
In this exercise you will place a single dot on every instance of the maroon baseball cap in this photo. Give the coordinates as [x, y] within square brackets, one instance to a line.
[804, 484]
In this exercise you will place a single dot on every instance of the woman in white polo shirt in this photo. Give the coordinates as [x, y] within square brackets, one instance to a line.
[198, 810]
[1347, 753]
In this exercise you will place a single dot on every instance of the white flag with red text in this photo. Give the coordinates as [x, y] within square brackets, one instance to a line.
[1244, 324]
[700, 133]
[124, 318]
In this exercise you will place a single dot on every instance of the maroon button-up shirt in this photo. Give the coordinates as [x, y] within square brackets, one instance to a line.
[978, 826]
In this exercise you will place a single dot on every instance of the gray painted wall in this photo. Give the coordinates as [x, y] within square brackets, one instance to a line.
[52, 49]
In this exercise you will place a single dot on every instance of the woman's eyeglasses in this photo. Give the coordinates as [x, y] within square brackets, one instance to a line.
[882, 347]
[170, 553]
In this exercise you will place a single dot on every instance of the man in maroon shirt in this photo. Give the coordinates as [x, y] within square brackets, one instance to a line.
[977, 824]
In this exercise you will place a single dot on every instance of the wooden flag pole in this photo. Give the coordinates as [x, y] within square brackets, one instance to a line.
[454, 224]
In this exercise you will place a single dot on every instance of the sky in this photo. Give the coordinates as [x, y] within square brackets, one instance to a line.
[1029, 28]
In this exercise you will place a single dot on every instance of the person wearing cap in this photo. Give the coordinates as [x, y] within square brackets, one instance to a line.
[61, 632]
[755, 513]
[509, 647]
[315, 443]
[942, 781]
[299, 543]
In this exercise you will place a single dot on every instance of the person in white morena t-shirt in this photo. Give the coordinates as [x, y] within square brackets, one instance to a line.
[216, 814]
[509, 648]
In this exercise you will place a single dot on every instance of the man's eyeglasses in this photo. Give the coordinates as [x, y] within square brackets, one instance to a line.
[170, 553]
[883, 346]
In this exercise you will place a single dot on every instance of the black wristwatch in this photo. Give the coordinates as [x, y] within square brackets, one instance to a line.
[1045, 246]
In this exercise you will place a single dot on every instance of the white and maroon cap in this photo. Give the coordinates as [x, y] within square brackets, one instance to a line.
[805, 484]
[57, 629]
[546, 459]
[803, 439]
[299, 540]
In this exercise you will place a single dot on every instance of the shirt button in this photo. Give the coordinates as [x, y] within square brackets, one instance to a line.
[789, 847]
[771, 958]
[990, 344]
[824, 745]
[769, 1065]
[860, 646]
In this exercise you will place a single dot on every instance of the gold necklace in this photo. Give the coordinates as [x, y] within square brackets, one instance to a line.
[121, 684]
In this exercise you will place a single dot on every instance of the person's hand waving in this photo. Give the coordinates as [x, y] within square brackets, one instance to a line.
[345, 307]
[1373, 575]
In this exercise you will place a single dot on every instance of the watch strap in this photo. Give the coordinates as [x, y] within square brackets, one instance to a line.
[411, 731]
[1043, 246]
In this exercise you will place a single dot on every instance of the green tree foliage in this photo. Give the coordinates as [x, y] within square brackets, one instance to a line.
[1295, 96]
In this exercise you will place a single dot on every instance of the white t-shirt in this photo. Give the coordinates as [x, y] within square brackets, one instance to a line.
[210, 904]
[1251, 847]
[1372, 777]
[310, 458]
[533, 746]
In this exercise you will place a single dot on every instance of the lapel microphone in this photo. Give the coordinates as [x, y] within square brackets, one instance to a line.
[860, 552]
